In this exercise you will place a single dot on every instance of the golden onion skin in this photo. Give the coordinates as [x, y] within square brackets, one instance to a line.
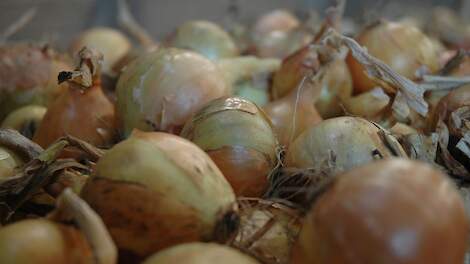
[238, 137]
[352, 141]
[401, 46]
[391, 211]
[161, 90]
[43, 242]
[155, 190]
[205, 38]
[200, 253]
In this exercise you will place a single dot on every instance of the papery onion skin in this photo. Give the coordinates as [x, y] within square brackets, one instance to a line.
[161, 90]
[204, 37]
[113, 44]
[403, 47]
[391, 211]
[154, 190]
[238, 137]
[200, 253]
[28, 75]
[43, 242]
[353, 141]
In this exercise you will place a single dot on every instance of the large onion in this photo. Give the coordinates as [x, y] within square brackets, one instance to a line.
[161, 90]
[204, 37]
[403, 47]
[238, 137]
[25, 119]
[28, 75]
[154, 190]
[392, 211]
[200, 253]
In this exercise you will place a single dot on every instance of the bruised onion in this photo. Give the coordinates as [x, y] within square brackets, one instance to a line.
[237, 135]
[113, 44]
[391, 211]
[28, 75]
[161, 90]
[83, 110]
[155, 190]
[205, 38]
[200, 253]
[336, 84]
[403, 47]
[25, 119]
[341, 143]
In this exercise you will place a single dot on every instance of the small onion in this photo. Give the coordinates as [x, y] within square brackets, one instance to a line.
[28, 75]
[161, 90]
[43, 242]
[352, 141]
[200, 253]
[9, 162]
[369, 104]
[276, 20]
[392, 211]
[113, 44]
[237, 135]
[204, 37]
[155, 190]
[403, 47]
[25, 119]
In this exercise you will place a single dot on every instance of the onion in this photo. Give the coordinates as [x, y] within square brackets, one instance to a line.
[267, 230]
[292, 114]
[154, 190]
[335, 86]
[349, 141]
[369, 104]
[204, 37]
[25, 119]
[237, 135]
[28, 75]
[456, 99]
[9, 162]
[403, 47]
[200, 253]
[391, 211]
[113, 44]
[276, 20]
[161, 90]
[83, 110]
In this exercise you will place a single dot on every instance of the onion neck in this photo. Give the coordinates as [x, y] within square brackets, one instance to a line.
[87, 74]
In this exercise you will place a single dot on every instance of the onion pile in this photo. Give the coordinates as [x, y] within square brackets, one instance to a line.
[155, 190]
[375, 213]
[238, 137]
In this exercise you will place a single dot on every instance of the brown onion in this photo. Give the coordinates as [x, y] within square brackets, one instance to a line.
[155, 190]
[237, 135]
[200, 253]
[392, 211]
[403, 47]
[83, 110]
[25, 119]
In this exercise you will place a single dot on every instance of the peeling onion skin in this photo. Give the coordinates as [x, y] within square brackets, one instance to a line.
[200, 253]
[155, 190]
[204, 37]
[43, 242]
[391, 211]
[403, 47]
[238, 136]
[113, 44]
[352, 140]
[161, 90]
[28, 75]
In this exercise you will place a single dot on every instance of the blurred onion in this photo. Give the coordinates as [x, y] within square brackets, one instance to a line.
[25, 119]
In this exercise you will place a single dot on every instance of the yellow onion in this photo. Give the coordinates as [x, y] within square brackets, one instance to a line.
[237, 135]
[267, 230]
[155, 190]
[204, 37]
[113, 44]
[335, 86]
[161, 90]
[292, 114]
[391, 211]
[200, 253]
[83, 110]
[25, 119]
[403, 47]
[369, 104]
[9, 162]
[28, 75]
[276, 20]
[347, 141]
